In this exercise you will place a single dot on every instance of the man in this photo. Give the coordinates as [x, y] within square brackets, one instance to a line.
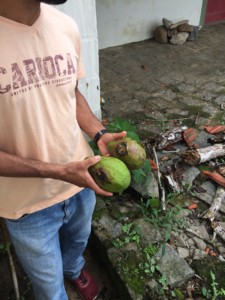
[46, 192]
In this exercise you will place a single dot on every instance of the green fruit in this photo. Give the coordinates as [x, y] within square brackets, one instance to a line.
[111, 174]
[129, 151]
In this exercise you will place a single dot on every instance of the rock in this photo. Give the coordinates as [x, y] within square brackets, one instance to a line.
[209, 194]
[199, 231]
[100, 203]
[221, 249]
[167, 23]
[189, 174]
[199, 254]
[221, 258]
[210, 189]
[181, 240]
[152, 284]
[174, 267]
[183, 214]
[106, 227]
[179, 38]
[183, 252]
[206, 96]
[191, 243]
[213, 87]
[150, 235]
[185, 28]
[199, 243]
[145, 189]
[178, 24]
[125, 291]
[161, 34]
[220, 99]
[171, 32]
[202, 139]
[194, 34]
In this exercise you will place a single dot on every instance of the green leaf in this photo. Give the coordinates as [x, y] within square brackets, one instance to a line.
[119, 124]
[94, 147]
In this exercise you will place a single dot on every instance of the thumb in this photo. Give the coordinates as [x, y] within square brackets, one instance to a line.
[93, 160]
[119, 135]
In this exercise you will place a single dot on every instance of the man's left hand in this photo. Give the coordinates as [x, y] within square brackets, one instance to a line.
[108, 137]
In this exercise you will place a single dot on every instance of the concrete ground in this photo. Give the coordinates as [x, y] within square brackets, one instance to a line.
[153, 84]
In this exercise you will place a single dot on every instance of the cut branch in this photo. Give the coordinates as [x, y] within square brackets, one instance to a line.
[11, 262]
[163, 197]
[215, 205]
[197, 156]
[218, 230]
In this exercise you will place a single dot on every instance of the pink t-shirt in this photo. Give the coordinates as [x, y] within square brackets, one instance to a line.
[39, 67]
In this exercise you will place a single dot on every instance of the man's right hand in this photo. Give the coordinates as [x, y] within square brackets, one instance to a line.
[77, 173]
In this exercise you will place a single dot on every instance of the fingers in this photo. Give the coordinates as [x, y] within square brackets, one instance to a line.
[106, 138]
[97, 189]
[104, 193]
[91, 183]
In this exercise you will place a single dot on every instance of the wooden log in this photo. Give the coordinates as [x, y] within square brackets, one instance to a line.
[218, 228]
[215, 205]
[195, 157]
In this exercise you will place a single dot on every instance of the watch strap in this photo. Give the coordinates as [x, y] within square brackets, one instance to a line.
[99, 134]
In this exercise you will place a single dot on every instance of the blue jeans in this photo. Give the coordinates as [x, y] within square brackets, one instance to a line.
[50, 243]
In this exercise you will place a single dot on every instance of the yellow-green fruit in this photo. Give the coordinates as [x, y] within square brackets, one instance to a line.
[111, 174]
[129, 151]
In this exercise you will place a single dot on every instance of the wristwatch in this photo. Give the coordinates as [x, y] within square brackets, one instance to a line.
[99, 134]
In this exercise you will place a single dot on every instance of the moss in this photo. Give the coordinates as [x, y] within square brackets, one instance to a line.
[207, 265]
[131, 273]
[195, 110]
[219, 118]
[175, 88]
[129, 268]
[179, 294]
[222, 92]
[203, 167]
[98, 213]
[202, 206]
[115, 213]
[179, 199]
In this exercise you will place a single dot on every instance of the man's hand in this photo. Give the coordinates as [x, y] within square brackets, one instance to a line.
[77, 173]
[108, 137]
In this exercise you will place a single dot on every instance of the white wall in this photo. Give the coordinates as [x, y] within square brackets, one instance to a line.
[84, 13]
[126, 21]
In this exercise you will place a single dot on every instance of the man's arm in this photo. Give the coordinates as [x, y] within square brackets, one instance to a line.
[74, 172]
[86, 119]
[90, 124]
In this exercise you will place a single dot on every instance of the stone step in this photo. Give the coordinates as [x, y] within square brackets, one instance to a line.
[123, 261]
